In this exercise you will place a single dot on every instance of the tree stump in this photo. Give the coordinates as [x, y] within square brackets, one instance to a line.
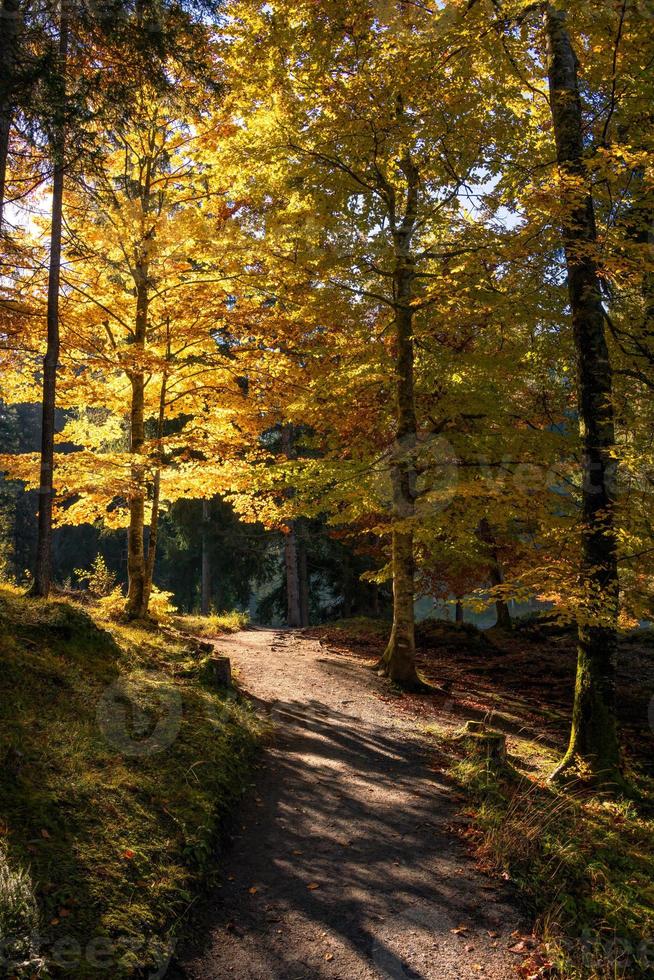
[483, 744]
[218, 671]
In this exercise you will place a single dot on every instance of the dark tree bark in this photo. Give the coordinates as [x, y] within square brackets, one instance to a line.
[9, 32]
[636, 339]
[293, 600]
[495, 573]
[293, 611]
[205, 601]
[43, 570]
[303, 572]
[594, 738]
[5, 129]
[137, 590]
[136, 570]
[347, 586]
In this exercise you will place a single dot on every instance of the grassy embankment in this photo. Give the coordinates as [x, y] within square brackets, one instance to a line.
[584, 865]
[118, 769]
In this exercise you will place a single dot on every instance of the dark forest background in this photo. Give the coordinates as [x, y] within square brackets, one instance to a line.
[244, 562]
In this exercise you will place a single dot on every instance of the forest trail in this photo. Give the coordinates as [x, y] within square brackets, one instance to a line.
[344, 863]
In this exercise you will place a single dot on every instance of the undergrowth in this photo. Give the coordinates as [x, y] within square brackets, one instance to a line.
[213, 625]
[117, 771]
[584, 864]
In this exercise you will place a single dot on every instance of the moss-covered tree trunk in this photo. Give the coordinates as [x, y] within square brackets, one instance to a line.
[43, 568]
[594, 738]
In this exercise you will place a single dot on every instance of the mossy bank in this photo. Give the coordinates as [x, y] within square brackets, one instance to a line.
[118, 769]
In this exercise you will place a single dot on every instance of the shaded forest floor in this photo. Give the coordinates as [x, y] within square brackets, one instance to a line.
[584, 866]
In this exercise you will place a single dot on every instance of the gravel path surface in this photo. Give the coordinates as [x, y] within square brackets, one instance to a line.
[345, 864]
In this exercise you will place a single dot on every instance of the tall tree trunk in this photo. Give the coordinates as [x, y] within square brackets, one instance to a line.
[495, 573]
[43, 570]
[594, 738]
[136, 565]
[398, 661]
[137, 572]
[9, 29]
[205, 598]
[293, 611]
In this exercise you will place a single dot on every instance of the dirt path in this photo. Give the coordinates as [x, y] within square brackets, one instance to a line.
[344, 866]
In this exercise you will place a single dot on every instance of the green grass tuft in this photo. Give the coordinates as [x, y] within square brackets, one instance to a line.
[214, 625]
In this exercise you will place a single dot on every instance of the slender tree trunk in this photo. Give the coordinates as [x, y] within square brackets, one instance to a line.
[293, 611]
[303, 572]
[205, 600]
[5, 129]
[495, 573]
[43, 570]
[458, 612]
[503, 613]
[347, 586]
[398, 661]
[136, 564]
[9, 29]
[156, 500]
[153, 535]
[293, 600]
[137, 572]
[594, 738]
[644, 235]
